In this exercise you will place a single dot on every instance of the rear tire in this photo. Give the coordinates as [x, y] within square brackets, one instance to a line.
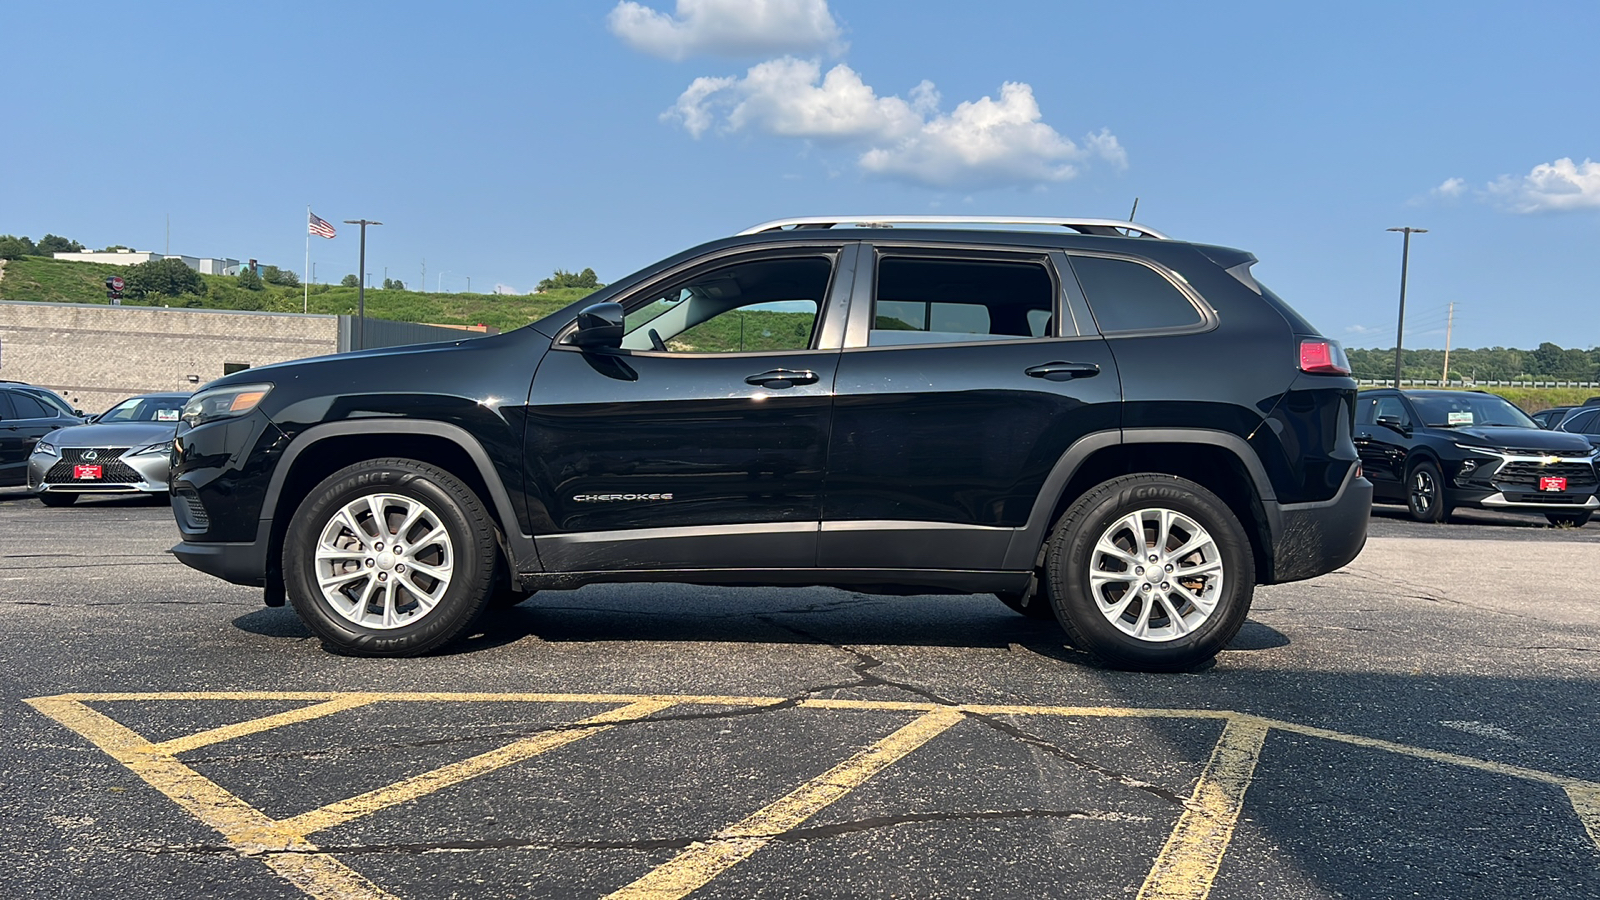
[1187, 603]
[56, 498]
[1569, 520]
[1425, 493]
[389, 557]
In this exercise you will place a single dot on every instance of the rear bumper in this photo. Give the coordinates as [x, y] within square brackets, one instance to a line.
[1311, 539]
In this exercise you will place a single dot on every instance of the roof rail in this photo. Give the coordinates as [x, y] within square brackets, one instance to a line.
[1109, 227]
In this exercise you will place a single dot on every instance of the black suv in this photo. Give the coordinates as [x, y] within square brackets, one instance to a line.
[1095, 423]
[1435, 451]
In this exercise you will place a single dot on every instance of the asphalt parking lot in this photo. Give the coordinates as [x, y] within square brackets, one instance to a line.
[1422, 723]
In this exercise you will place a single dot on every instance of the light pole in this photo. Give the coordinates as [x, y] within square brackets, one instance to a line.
[361, 284]
[1399, 329]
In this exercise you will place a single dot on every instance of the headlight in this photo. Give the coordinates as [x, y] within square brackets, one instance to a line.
[46, 448]
[1484, 450]
[161, 449]
[223, 403]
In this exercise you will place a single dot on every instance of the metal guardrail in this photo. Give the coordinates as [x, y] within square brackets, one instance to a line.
[1458, 383]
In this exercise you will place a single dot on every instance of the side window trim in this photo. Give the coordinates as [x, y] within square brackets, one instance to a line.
[1208, 315]
[864, 297]
[837, 254]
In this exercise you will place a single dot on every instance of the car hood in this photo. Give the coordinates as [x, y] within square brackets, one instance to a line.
[1536, 440]
[114, 434]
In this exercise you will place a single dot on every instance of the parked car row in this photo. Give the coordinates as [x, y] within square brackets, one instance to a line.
[1438, 451]
[1556, 415]
[61, 453]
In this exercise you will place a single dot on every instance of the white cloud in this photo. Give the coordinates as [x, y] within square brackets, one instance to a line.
[727, 28]
[1361, 329]
[980, 144]
[1558, 186]
[1451, 188]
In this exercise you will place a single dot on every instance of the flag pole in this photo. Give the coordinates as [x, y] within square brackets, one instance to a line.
[305, 282]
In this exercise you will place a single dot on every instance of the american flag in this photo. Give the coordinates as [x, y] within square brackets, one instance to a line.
[320, 227]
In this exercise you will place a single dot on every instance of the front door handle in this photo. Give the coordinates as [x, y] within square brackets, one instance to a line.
[778, 379]
[1063, 371]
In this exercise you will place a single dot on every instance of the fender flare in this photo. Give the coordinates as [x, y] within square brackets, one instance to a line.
[519, 547]
[1025, 544]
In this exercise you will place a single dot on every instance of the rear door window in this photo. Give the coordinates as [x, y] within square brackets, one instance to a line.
[1130, 296]
[924, 300]
[28, 407]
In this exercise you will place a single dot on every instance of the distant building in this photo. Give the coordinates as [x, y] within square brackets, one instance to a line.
[203, 265]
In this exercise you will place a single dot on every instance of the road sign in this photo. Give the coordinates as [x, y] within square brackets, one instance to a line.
[115, 282]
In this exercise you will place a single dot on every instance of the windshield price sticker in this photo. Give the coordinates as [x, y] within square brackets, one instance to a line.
[166, 415]
[1458, 418]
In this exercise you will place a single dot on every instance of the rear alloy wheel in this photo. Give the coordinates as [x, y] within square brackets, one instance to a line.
[57, 498]
[1425, 493]
[390, 557]
[1150, 572]
[1569, 520]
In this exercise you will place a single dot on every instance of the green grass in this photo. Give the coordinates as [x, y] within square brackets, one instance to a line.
[44, 280]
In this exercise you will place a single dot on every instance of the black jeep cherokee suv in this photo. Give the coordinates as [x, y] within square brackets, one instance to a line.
[1095, 423]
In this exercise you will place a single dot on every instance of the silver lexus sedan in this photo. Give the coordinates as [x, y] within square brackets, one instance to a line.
[124, 450]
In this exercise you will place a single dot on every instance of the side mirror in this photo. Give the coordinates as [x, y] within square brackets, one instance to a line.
[80, 414]
[599, 325]
[1394, 423]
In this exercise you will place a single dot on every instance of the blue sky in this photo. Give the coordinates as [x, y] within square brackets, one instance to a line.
[501, 141]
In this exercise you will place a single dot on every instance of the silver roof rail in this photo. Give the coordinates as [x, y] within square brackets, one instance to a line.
[1110, 227]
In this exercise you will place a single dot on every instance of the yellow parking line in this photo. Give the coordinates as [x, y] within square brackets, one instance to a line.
[701, 862]
[317, 874]
[1188, 863]
[265, 723]
[429, 782]
[1586, 803]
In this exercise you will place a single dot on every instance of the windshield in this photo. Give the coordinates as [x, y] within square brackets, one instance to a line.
[1469, 409]
[145, 409]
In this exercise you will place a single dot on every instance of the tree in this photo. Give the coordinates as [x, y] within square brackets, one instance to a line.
[167, 277]
[350, 281]
[51, 244]
[564, 279]
[275, 275]
[12, 247]
[248, 279]
[393, 284]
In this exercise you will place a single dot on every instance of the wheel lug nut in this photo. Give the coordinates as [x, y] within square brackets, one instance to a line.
[1165, 586]
[1169, 567]
[383, 576]
[399, 569]
[371, 563]
[1145, 586]
[1138, 570]
[378, 546]
[1152, 557]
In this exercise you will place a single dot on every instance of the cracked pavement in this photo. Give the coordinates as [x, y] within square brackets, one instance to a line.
[1474, 639]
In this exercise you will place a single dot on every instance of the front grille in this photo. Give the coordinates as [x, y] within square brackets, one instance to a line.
[1527, 474]
[112, 469]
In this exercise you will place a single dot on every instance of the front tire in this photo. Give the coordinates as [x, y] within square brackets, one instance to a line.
[1425, 493]
[389, 557]
[1150, 572]
[56, 498]
[1569, 520]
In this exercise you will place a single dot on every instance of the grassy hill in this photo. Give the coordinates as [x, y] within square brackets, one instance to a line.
[36, 278]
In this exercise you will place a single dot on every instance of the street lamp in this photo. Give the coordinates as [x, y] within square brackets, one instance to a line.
[361, 284]
[1405, 258]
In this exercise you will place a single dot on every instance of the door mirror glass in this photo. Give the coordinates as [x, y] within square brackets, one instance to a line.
[599, 325]
[1394, 422]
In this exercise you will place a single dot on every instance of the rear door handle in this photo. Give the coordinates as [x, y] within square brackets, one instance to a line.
[778, 379]
[1063, 371]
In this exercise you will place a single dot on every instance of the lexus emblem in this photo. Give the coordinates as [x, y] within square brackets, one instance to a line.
[90, 455]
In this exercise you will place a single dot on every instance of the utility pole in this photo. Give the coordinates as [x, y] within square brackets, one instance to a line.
[469, 284]
[361, 285]
[1399, 331]
[423, 284]
[1448, 324]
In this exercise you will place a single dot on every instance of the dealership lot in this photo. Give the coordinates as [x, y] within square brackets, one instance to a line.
[1421, 723]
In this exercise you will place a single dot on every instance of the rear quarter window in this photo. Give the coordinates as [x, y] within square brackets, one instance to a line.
[1129, 296]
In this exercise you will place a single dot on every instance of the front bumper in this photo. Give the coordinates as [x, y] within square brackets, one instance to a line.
[1524, 501]
[240, 563]
[1311, 539]
[133, 474]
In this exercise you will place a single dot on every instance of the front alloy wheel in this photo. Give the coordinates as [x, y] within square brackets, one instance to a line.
[1425, 493]
[389, 557]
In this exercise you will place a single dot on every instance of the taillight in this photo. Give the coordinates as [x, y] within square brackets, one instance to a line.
[1320, 356]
